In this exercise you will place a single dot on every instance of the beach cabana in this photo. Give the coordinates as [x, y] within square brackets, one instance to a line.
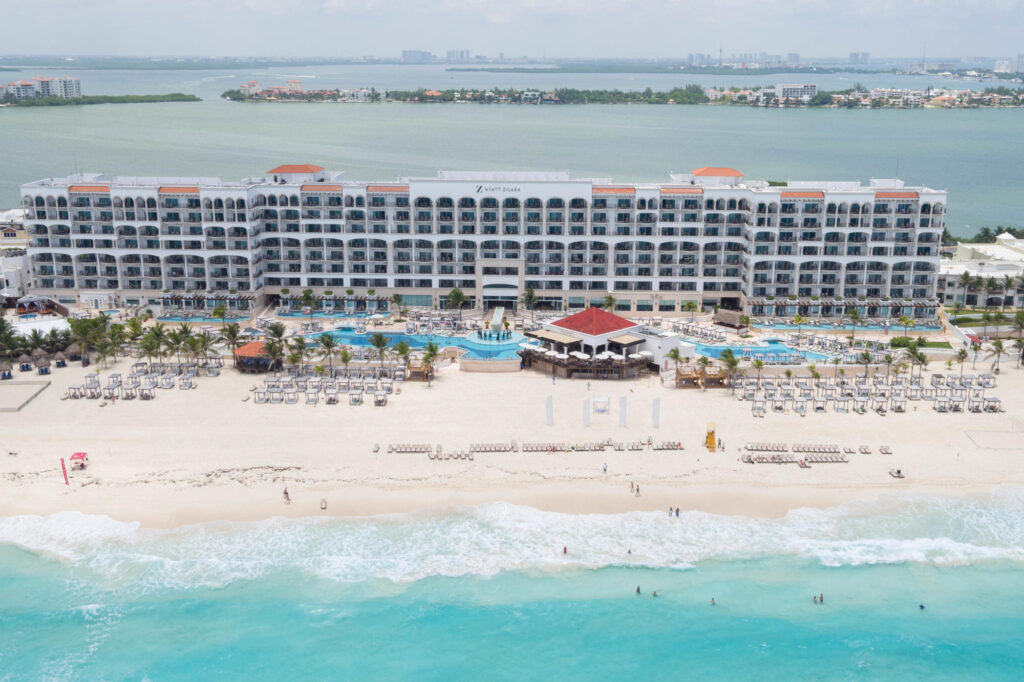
[42, 366]
[25, 363]
[252, 358]
[6, 370]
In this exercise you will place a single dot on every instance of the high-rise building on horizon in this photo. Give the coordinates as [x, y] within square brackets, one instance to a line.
[817, 248]
[417, 56]
[458, 56]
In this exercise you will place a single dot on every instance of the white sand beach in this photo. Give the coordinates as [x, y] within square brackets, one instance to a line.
[210, 454]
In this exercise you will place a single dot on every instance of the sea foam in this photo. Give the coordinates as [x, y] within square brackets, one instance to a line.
[498, 537]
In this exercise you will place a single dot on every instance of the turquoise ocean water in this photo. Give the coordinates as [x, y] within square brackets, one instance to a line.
[486, 593]
[975, 154]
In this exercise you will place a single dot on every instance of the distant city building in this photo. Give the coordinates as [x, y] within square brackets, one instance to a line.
[416, 57]
[65, 88]
[251, 88]
[860, 57]
[793, 58]
[865, 57]
[1020, 63]
[1002, 66]
[816, 249]
[293, 86]
[458, 56]
[802, 92]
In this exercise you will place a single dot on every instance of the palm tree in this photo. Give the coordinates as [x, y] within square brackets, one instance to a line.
[308, 300]
[276, 332]
[958, 308]
[151, 346]
[965, 282]
[731, 363]
[996, 352]
[675, 356]
[990, 285]
[918, 357]
[799, 321]
[906, 323]
[1018, 347]
[1008, 281]
[174, 342]
[864, 359]
[105, 349]
[977, 284]
[690, 307]
[855, 319]
[430, 353]
[298, 347]
[888, 360]
[986, 318]
[529, 300]
[456, 299]
[220, 312]
[961, 357]
[609, 303]
[118, 337]
[345, 356]
[703, 361]
[134, 328]
[1018, 323]
[758, 365]
[396, 299]
[402, 350]
[328, 347]
[232, 335]
[275, 351]
[380, 343]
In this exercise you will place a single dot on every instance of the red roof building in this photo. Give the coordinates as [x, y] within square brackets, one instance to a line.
[290, 168]
[717, 172]
[594, 322]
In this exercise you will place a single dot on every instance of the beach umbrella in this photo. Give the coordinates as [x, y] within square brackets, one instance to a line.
[38, 352]
[23, 359]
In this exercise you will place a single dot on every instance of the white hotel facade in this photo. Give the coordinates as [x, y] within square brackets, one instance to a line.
[818, 249]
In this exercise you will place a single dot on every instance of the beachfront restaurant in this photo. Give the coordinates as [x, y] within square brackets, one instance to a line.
[252, 358]
[593, 344]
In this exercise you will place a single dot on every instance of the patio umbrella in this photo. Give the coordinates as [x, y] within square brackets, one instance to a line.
[527, 346]
[38, 352]
[551, 353]
[635, 356]
[646, 353]
[562, 356]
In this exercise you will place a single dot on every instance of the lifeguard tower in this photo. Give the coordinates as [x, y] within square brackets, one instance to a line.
[710, 440]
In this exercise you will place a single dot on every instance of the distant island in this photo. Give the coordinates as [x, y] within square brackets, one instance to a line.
[100, 99]
[783, 96]
[641, 67]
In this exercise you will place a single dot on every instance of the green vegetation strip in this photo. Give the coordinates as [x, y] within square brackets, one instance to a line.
[105, 99]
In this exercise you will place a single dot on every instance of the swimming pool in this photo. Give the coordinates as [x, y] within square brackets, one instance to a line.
[475, 349]
[768, 347]
[845, 327]
[178, 318]
[325, 316]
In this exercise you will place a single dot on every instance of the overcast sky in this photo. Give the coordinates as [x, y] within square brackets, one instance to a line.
[555, 28]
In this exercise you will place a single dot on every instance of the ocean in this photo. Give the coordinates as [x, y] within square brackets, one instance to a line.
[486, 593]
[972, 153]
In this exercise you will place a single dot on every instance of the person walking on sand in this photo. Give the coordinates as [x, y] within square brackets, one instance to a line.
[631, 487]
[287, 497]
[565, 549]
[638, 490]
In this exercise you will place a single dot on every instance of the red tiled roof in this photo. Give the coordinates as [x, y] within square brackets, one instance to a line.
[802, 195]
[253, 349]
[387, 188]
[896, 195]
[321, 188]
[682, 190]
[432, 93]
[594, 322]
[717, 172]
[615, 190]
[88, 188]
[178, 190]
[296, 168]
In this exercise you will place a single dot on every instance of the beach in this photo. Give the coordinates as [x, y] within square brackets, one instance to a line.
[213, 454]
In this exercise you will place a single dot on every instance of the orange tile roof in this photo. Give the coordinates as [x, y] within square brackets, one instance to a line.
[717, 172]
[803, 195]
[296, 168]
[387, 188]
[896, 195]
[88, 188]
[178, 190]
[432, 93]
[253, 349]
[682, 190]
[615, 190]
[321, 188]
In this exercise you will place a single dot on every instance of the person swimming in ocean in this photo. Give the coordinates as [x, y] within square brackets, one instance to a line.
[638, 589]
[815, 599]
[654, 594]
[821, 599]
[712, 601]
[921, 606]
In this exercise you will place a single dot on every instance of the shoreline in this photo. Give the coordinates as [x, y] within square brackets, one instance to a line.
[226, 504]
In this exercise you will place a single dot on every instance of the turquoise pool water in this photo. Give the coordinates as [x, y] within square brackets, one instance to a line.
[771, 346]
[325, 316]
[845, 327]
[485, 593]
[475, 349]
[198, 318]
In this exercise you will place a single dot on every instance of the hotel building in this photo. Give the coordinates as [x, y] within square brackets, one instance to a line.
[818, 249]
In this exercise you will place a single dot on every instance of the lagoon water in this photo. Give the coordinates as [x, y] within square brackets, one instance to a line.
[485, 593]
[974, 154]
